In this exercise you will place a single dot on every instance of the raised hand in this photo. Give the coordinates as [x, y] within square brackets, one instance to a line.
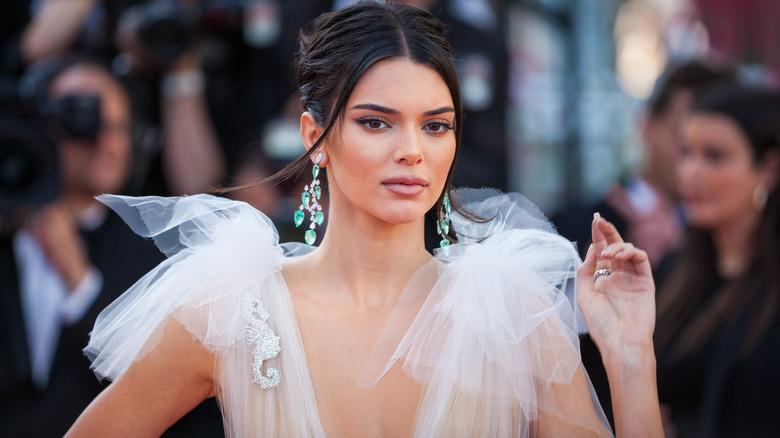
[619, 308]
[619, 303]
[56, 230]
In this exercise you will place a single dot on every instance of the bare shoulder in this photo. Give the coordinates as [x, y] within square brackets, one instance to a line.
[298, 276]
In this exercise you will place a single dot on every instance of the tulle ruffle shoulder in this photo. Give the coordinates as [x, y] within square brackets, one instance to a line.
[495, 341]
[486, 327]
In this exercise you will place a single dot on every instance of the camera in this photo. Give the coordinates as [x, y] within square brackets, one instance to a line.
[165, 28]
[77, 116]
[29, 162]
[30, 125]
[29, 170]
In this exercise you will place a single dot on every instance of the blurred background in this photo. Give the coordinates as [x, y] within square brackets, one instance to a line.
[170, 97]
[581, 71]
[553, 89]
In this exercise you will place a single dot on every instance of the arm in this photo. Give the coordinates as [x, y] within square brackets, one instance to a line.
[576, 415]
[154, 392]
[192, 155]
[56, 230]
[620, 312]
[55, 28]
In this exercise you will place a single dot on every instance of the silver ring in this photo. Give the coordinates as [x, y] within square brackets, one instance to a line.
[601, 272]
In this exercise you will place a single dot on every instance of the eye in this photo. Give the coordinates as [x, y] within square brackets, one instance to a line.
[714, 155]
[372, 123]
[438, 126]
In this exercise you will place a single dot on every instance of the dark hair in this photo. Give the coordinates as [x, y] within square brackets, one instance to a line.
[338, 47]
[693, 76]
[757, 290]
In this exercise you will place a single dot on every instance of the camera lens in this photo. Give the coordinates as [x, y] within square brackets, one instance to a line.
[167, 28]
[18, 167]
[79, 116]
[29, 170]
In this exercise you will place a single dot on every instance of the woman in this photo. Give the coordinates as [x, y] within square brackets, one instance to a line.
[718, 310]
[369, 335]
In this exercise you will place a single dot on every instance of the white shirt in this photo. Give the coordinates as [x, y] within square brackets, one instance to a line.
[47, 305]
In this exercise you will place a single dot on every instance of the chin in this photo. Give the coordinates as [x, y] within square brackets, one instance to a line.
[106, 186]
[403, 216]
[702, 220]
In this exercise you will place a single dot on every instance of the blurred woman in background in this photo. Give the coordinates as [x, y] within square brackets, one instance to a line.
[718, 323]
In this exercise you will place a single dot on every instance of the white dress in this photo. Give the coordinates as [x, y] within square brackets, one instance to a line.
[486, 328]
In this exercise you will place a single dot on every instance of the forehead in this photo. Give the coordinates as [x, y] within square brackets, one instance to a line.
[715, 126]
[401, 81]
[89, 79]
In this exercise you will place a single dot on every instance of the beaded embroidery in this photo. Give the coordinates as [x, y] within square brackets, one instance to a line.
[262, 340]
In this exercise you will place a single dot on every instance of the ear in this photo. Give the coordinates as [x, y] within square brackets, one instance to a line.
[770, 168]
[310, 133]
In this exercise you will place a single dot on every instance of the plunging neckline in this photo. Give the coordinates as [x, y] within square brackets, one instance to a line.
[378, 361]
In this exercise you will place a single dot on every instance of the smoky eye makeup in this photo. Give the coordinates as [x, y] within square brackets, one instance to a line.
[438, 126]
[372, 123]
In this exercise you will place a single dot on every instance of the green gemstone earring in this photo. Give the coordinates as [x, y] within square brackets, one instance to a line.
[443, 222]
[309, 202]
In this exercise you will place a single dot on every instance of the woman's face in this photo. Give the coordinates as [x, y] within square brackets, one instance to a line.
[717, 172]
[391, 154]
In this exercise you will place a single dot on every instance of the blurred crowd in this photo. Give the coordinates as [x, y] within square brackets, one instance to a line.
[704, 203]
[166, 97]
[175, 97]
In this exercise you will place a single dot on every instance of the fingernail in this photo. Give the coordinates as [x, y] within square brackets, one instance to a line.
[596, 215]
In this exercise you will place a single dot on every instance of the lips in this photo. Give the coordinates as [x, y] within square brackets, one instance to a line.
[405, 185]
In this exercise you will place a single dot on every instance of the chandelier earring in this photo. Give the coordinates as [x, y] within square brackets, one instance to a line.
[310, 203]
[443, 220]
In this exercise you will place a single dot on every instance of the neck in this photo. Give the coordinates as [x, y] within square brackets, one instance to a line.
[733, 243]
[369, 262]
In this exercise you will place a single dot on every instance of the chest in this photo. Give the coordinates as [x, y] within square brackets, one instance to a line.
[338, 346]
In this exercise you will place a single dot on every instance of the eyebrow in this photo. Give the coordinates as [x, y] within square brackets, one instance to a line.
[386, 110]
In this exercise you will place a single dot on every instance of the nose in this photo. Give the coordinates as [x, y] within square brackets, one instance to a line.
[688, 170]
[410, 147]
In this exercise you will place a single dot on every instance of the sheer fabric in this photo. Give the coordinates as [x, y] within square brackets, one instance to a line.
[485, 328]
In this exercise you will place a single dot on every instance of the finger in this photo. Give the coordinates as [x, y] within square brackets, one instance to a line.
[585, 277]
[600, 240]
[626, 256]
[638, 258]
[597, 235]
[589, 263]
[613, 249]
[610, 233]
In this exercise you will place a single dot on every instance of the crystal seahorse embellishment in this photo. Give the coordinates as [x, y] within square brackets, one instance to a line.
[262, 340]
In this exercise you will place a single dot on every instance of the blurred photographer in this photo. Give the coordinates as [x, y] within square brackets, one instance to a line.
[70, 259]
[153, 46]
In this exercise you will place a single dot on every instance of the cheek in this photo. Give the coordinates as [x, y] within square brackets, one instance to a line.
[738, 191]
[727, 191]
[73, 159]
[352, 168]
[442, 156]
[444, 166]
